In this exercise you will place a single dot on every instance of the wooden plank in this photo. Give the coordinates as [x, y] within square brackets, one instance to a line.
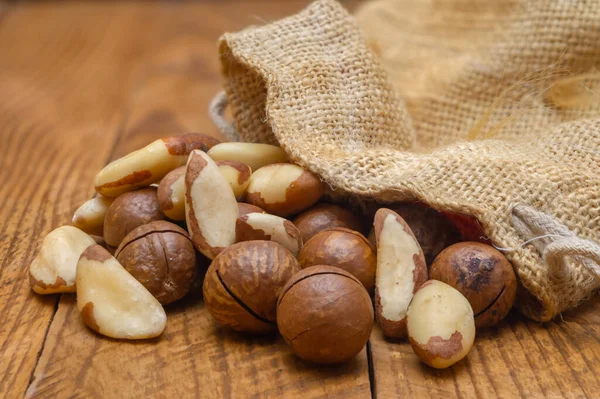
[518, 358]
[60, 113]
[193, 357]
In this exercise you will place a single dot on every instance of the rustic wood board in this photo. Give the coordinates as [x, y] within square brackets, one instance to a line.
[85, 83]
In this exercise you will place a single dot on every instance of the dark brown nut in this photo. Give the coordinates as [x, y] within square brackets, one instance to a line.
[150, 164]
[401, 270]
[245, 209]
[284, 189]
[112, 302]
[325, 216]
[433, 230]
[171, 194]
[263, 226]
[343, 248]
[325, 315]
[210, 206]
[483, 275]
[237, 175]
[440, 324]
[243, 282]
[129, 211]
[161, 256]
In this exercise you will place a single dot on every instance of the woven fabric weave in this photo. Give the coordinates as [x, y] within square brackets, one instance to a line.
[465, 105]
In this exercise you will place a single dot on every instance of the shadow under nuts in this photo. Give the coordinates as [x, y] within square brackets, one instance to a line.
[483, 275]
[343, 248]
[325, 216]
[128, 211]
[161, 256]
[243, 282]
[325, 315]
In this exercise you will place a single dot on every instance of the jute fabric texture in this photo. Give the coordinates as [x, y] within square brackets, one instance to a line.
[488, 109]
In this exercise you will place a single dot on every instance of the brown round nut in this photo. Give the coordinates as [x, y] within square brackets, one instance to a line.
[325, 315]
[483, 275]
[440, 324]
[161, 256]
[284, 189]
[243, 282]
[171, 194]
[128, 211]
[325, 216]
[343, 248]
[433, 230]
[244, 209]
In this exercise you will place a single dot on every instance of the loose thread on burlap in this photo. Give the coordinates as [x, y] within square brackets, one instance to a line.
[216, 110]
[555, 242]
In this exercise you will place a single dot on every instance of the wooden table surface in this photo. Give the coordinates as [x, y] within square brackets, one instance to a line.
[81, 84]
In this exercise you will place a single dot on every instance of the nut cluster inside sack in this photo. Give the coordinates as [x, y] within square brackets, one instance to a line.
[473, 108]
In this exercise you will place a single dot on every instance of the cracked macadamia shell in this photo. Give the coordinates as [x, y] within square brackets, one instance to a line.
[243, 282]
[483, 275]
[325, 315]
[325, 216]
[441, 329]
[161, 256]
[129, 211]
[343, 248]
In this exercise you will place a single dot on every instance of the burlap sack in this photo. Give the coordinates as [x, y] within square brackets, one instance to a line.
[490, 111]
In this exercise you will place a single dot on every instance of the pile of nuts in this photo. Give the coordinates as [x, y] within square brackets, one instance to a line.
[281, 260]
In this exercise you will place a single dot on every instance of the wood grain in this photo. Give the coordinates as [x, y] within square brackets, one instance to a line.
[85, 83]
[166, 90]
[518, 358]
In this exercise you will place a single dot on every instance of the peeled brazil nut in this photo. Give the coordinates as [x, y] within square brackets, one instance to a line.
[401, 270]
[171, 194]
[210, 206]
[483, 275]
[254, 155]
[89, 217]
[325, 315]
[263, 226]
[53, 269]
[237, 175]
[129, 211]
[112, 302]
[161, 256]
[284, 189]
[150, 164]
[243, 282]
[441, 329]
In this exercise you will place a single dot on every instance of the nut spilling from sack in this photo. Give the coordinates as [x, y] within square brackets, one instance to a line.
[284, 260]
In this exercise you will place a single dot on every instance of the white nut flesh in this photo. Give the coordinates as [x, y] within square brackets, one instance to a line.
[112, 302]
[171, 194]
[149, 164]
[211, 209]
[263, 226]
[89, 217]
[440, 322]
[252, 154]
[401, 269]
[53, 269]
[238, 175]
